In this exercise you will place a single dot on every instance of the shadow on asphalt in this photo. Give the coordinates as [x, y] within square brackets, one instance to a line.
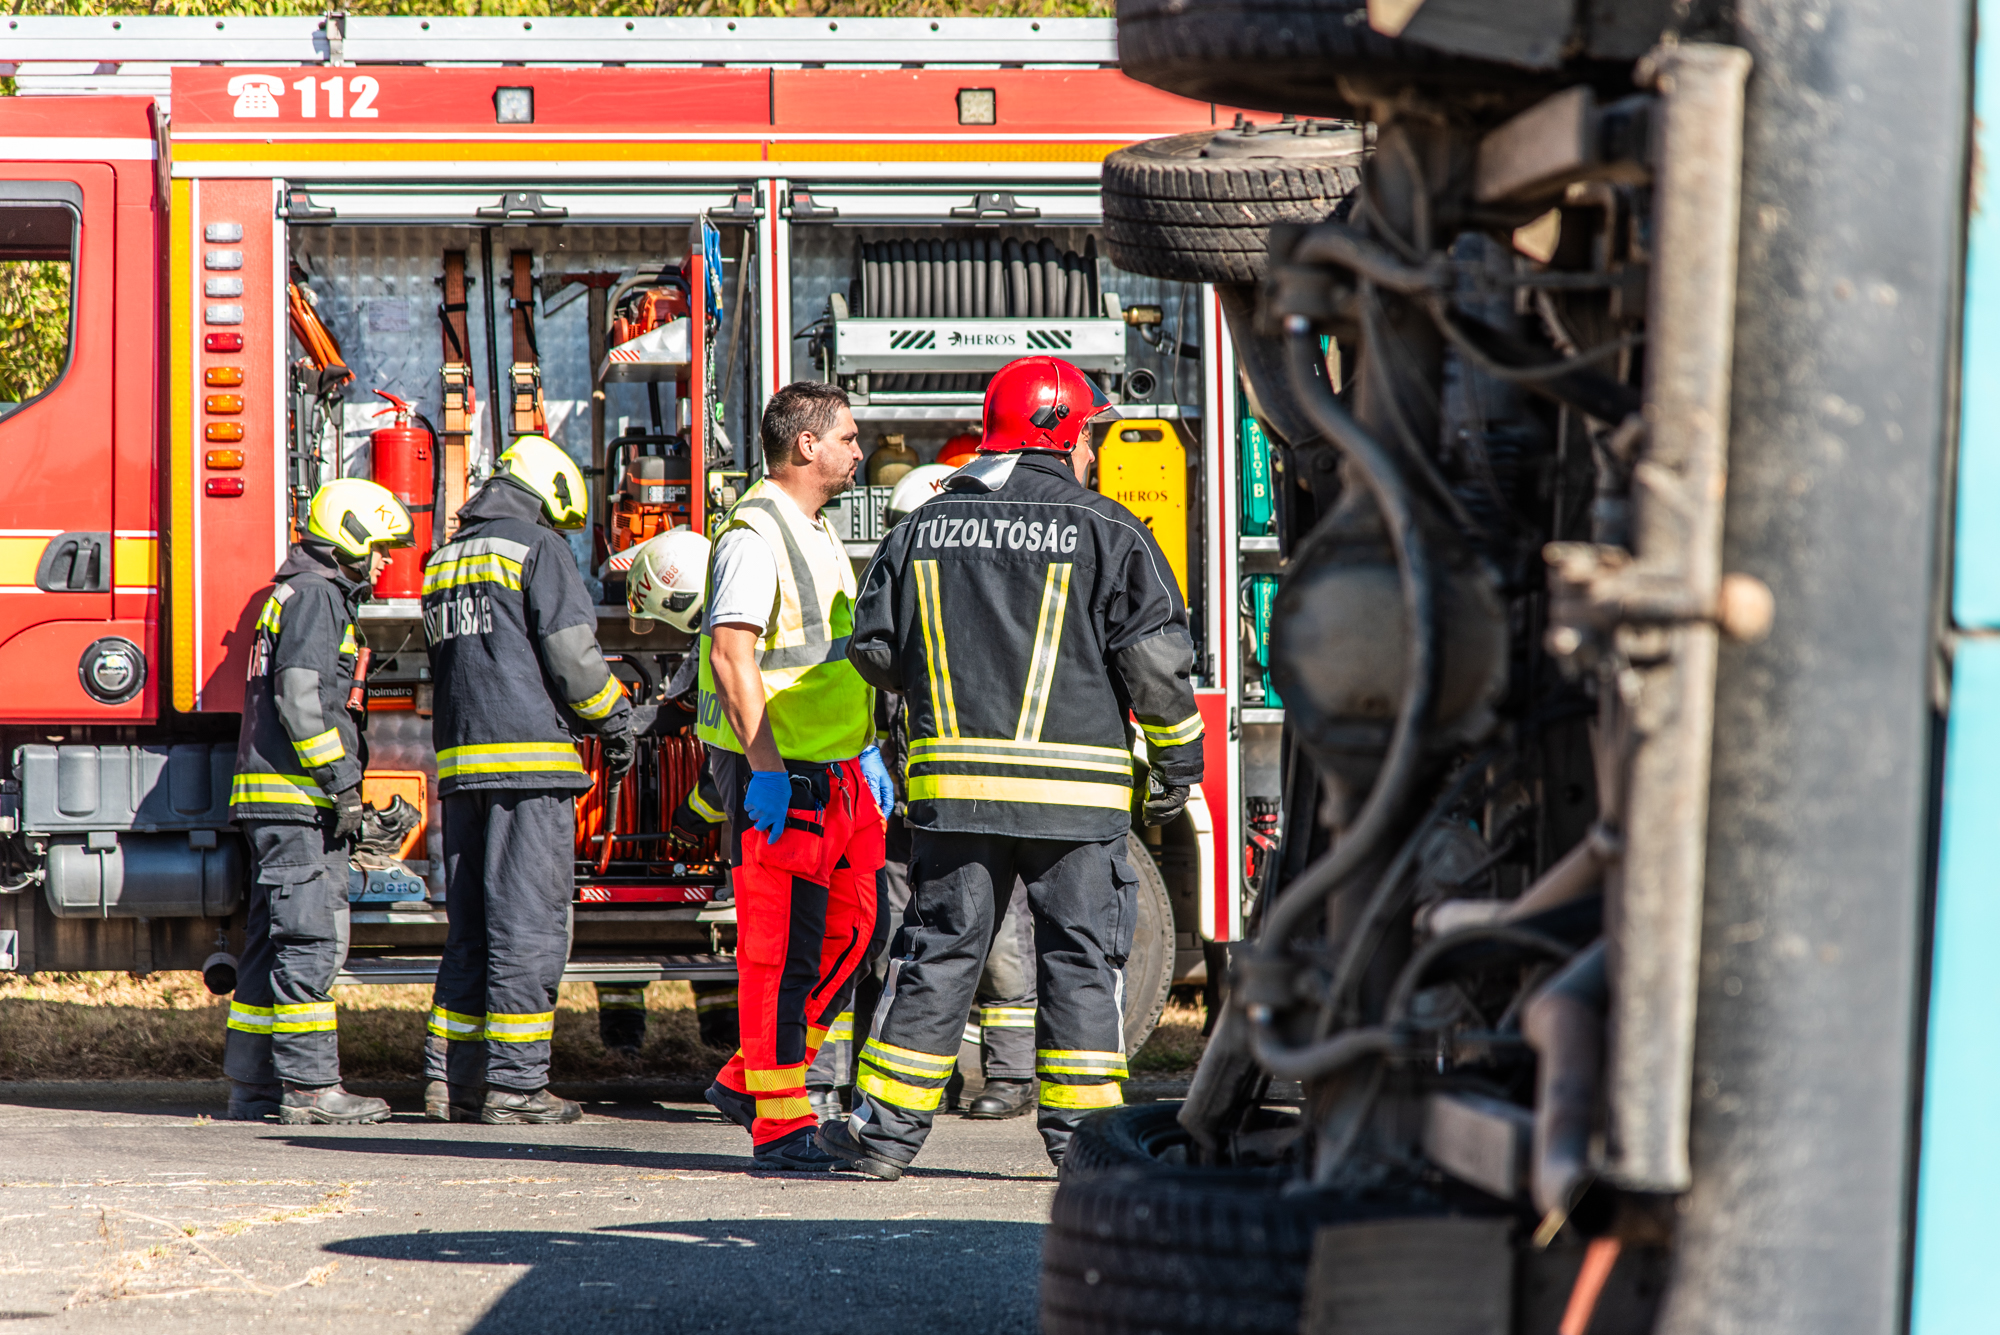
[827, 1277]
[538, 1151]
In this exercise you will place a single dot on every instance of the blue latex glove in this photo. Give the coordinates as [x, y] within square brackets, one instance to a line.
[877, 774]
[767, 800]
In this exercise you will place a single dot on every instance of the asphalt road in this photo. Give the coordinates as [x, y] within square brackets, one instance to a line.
[119, 1213]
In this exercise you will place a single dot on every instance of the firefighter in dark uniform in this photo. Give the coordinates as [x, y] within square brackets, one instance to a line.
[1022, 617]
[518, 673]
[297, 796]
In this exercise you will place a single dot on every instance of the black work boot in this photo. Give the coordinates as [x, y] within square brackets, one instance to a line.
[506, 1107]
[796, 1153]
[738, 1108]
[1003, 1098]
[328, 1105]
[252, 1103]
[449, 1103]
[622, 1029]
[838, 1139]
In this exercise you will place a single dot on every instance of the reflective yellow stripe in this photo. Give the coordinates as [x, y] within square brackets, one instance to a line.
[1042, 662]
[508, 758]
[1007, 1017]
[600, 704]
[908, 1061]
[1047, 792]
[488, 568]
[931, 610]
[621, 996]
[894, 1092]
[1081, 1096]
[842, 1028]
[700, 807]
[783, 1077]
[979, 755]
[532, 1028]
[784, 1109]
[274, 612]
[251, 1019]
[1172, 734]
[278, 790]
[312, 1018]
[1055, 1061]
[453, 1024]
[348, 645]
[323, 749]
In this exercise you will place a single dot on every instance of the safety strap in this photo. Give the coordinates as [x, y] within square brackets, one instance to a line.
[529, 415]
[459, 398]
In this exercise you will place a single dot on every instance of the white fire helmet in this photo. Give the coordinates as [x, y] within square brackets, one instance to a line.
[668, 575]
[913, 489]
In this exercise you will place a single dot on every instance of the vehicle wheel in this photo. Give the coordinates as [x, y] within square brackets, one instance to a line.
[1137, 1243]
[1198, 208]
[1284, 55]
[1149, 969]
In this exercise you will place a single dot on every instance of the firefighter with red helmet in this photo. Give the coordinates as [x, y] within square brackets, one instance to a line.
[1022, 617]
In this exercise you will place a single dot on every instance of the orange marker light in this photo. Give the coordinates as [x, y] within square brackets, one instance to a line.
[224, 458]
[225, 486]
[223, 431]
[223, 403]
[222, 375]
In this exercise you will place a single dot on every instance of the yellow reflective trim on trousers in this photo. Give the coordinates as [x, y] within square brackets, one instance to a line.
[278, 790]
[251, 1019]
[602, 703]
[908, 1061]
[897, 1094]
[455, 1024]
[1081, 1096]
[842, 1028]
[1042, 662]
[930, 610]
[508, 758]
[484, 569]
[1007, 1017]
[782, 1077]
[312, 1018]
[1172, 734]
[528, 1028]
[784, 1109]
[1056, 1061]
[323, 749]
[1040, 792]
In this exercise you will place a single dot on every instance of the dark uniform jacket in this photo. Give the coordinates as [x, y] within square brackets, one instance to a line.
[1021, 616]
[514, 656]
[298, 744]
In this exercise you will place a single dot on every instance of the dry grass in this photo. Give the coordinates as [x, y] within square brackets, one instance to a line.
[107, 1026]
[113, 1026]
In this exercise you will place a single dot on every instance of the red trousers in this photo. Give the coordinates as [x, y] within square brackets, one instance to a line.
[805, 912]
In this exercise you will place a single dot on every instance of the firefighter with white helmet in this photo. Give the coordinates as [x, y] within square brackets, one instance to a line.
[666, 579]
[297, 796]
[518, 676]
[913, 489]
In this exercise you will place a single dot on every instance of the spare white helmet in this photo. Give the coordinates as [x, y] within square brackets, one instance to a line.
[666, 578]
[913, 489]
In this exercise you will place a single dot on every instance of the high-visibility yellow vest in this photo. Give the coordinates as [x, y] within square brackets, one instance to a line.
[819, 707]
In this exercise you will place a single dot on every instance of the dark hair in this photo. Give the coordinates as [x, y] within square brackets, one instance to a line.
[806, 405]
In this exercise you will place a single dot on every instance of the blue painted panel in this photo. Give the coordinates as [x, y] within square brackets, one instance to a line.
[1956, 1287]
[1976, 583]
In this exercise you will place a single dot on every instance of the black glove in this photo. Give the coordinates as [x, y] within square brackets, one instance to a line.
[619, 753]
[1164, 801]
[347, 810]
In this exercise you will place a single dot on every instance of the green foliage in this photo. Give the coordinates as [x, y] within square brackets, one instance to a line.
[587, 8]
[34, 326]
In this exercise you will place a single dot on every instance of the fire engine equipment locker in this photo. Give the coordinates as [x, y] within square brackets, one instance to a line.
[1143, 466]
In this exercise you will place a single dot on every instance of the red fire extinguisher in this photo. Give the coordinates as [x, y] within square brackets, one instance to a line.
[402, 460]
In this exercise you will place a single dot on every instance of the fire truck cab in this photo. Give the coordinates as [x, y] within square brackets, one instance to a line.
[625, 234]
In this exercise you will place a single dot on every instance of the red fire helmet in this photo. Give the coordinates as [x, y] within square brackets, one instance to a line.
[1039, 403]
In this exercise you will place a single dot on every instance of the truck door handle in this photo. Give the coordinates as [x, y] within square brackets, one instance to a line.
[76, 563]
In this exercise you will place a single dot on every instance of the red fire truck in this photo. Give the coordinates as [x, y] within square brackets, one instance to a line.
[623, 233]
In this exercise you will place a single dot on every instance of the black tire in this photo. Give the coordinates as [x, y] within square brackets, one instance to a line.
[1139, 1246]
[1286, 55]
[1170, 212]
[1149, 969]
